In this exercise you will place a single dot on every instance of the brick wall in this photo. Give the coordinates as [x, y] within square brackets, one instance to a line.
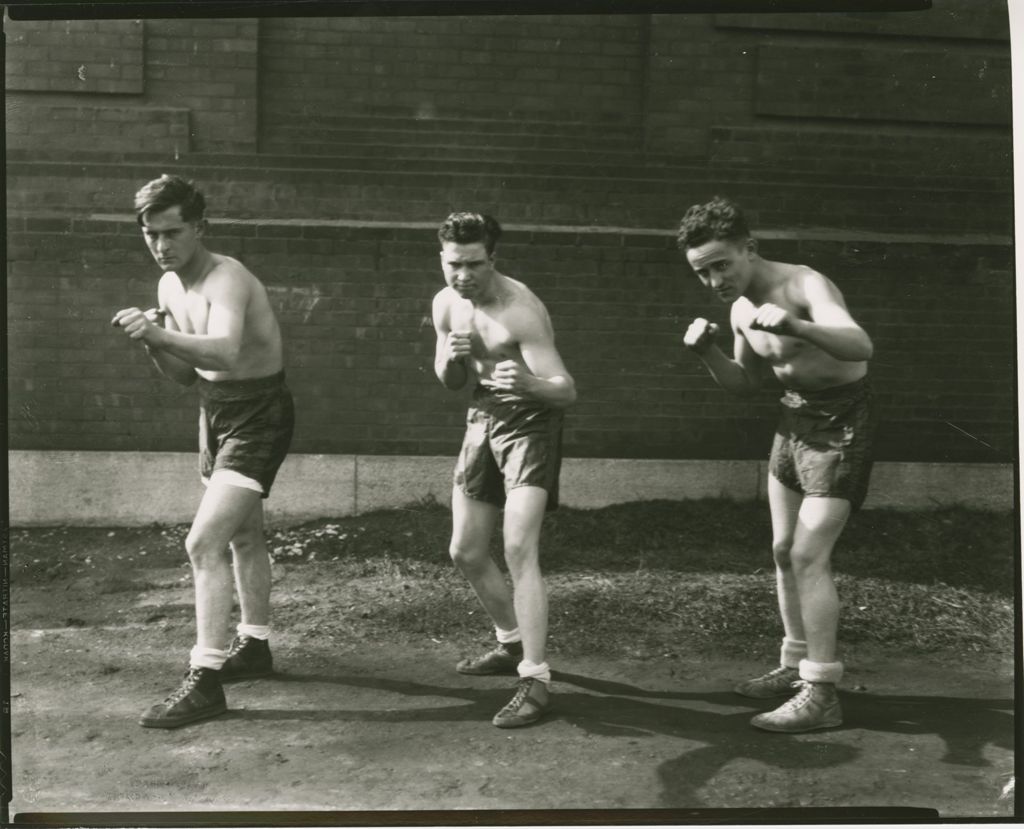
[612, 124]
[563, 67]
[117, 73]
[354, 304]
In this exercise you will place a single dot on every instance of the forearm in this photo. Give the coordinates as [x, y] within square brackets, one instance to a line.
[171, 367]
[558, 392]
[453, 375]
[848, 343]
[728, 373]
[196, 350]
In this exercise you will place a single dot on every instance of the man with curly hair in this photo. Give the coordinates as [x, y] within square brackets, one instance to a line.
[791, 322]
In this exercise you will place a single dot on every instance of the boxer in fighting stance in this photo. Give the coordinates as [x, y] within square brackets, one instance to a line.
[493, 331]
[219, 332]
[794, 321]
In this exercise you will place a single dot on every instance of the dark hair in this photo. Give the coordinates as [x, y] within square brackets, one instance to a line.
[170, 191]
[718, 219]
[466, 228]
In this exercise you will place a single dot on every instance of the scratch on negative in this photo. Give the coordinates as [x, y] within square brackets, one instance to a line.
[968, 434]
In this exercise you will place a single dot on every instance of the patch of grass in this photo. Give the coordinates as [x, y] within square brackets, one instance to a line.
[641, 579]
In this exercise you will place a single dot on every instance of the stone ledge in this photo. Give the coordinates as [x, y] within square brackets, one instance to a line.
[50, 488]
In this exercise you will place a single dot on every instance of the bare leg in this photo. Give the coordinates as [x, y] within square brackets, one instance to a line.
[252, 569]
[784, 504]
[820, 524]
[222, 512]
[524, 515]
[472, 526]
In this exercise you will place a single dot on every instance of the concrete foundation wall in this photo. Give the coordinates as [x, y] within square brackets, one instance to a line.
[135, 488]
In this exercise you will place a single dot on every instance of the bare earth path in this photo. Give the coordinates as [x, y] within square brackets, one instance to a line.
[396, 728]
[367, 713]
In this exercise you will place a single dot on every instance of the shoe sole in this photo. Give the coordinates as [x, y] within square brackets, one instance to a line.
[789, 692]
[247, 675]
[780, 730]
[518, 722]
[177, 723]
[510, 671]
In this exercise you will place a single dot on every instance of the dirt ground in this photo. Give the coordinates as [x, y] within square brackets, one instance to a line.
[373, 724]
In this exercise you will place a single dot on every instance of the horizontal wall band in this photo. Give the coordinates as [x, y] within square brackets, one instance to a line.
[50, 488]
[799, 234]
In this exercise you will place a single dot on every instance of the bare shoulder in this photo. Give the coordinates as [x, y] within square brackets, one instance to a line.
[227, 267]
[444, 299]
[524, 298]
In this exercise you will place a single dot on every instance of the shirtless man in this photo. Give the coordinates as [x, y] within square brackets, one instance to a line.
[219, 332]
[492, 330]
[794, 321]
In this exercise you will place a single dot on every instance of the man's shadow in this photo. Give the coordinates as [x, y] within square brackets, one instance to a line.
[616, 709]
[966, 726]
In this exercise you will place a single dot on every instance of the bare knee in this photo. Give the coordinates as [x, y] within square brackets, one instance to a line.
[521, 557]
[203, 551]
[468, 558]
[782, 553]
[809, 560]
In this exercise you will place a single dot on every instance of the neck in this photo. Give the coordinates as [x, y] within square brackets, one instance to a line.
[492, 294]
[761, 280]
[198, 266]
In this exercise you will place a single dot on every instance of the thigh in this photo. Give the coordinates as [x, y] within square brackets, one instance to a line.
[525, 507]
[821, 522]
[223, 511]
[473, 523]
[784, 504]
[250, 532]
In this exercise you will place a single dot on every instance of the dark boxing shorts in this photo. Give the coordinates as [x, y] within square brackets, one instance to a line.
[245, 428]
[824, 440]
[509, 443]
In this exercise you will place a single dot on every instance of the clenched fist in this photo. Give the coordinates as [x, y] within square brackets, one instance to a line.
[773, 319]
[700, 336]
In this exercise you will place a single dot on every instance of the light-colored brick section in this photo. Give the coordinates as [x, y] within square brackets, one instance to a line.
[84, 56]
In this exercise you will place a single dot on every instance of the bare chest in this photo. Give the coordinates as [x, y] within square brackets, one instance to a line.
[191, 311]
[776, 348]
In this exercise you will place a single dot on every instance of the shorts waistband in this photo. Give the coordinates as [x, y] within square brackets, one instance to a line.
[795, 398]
[239, 389]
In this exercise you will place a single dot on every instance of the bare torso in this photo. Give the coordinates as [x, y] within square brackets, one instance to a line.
[494, 327]
[796, 362]
[229, 283]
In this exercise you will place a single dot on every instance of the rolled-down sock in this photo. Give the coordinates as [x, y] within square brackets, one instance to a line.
[830, 672]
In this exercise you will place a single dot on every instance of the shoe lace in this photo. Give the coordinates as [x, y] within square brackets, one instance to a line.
[522, 691]
[237, 644]
[798, 701]
[186, 687]
[782, 670]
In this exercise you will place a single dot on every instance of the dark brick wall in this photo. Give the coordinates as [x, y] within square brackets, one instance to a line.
[558, 66]
[117, 73]
[614, 123]
[354, 303]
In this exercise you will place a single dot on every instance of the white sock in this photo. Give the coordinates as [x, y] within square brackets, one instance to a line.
[821, 671]
[531, 670]
[207, 658]
[254, 631]
[507, 637]
[793, 650]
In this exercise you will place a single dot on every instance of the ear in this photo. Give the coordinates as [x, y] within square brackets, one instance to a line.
[751, 245]
[201, 227]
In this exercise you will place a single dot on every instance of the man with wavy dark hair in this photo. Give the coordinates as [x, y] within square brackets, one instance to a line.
[219, 332]
[793, 322]
[494, 333]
